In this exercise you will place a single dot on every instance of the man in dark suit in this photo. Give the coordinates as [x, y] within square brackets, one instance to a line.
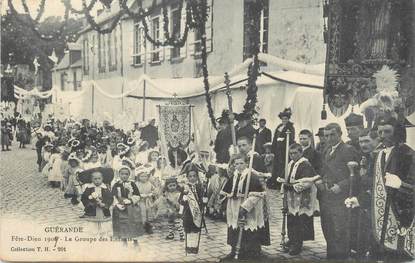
[150, 134]
[354, 125]
[309, 152]
[263, 136]
[244, 127]
[333, 190]
[223, 139]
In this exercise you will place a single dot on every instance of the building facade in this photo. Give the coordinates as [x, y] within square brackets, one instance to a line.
[291, 30]
[67, 74]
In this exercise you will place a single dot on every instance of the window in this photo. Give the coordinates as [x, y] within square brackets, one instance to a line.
[155, 34]
[75, 81]
[196, 46]
[85, 61]
[261, 28]
[109, 38]
[63, 80]
[138, 49]
[176, 28]
[101, 52]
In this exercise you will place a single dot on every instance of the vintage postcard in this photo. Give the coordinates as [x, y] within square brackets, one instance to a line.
[207, 130]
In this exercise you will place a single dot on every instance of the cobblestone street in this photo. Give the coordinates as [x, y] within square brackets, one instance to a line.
[25, 195]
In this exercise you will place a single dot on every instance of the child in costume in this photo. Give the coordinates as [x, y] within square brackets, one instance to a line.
[46, 154]
[193, 200]
[121, 150]
[153, 157]
[127, 220]
[161, 172]
[91, 158]
[55, 172]
[215, 203]
[147, 193]
[70, 177]
[268, 157]
[97, 198]
[141, 157]
[168, 207]
[250, 211]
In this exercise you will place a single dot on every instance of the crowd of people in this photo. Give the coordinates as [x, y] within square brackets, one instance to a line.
[125, 178]
[319, 180]
[15, 127]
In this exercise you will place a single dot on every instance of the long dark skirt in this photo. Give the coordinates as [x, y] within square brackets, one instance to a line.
[127, 223]
[188, 224]
[300, 228]
[251, 241]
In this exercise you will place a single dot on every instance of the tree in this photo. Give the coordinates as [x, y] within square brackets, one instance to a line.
[24, 43]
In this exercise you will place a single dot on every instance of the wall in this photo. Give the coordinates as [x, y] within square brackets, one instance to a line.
[56, 78]
[296, 33]
[296, 30]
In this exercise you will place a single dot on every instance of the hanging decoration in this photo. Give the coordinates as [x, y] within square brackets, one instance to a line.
[175, 123]
[200, 12]
[33, 24]
[253, 71]
[95, 26]
[88, 8]
[197, 12]
[374, 35]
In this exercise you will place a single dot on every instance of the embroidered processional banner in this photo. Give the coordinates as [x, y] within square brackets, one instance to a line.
[175, 124]
[363, 37]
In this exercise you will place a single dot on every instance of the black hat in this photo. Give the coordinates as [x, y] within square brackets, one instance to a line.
[320, 132]
[170, 180]
[243, 117]
[354, 120]
[86, 176]
[387, 120]
[224, 118]
[285, 113]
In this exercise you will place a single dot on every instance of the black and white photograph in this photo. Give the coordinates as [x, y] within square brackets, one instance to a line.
[207, 131]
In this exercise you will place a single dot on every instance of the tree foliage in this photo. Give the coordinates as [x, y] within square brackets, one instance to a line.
[25, 45]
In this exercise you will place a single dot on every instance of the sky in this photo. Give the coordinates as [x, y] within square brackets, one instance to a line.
[52, 7]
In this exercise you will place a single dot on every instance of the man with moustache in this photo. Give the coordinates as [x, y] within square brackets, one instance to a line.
[354, 124]
[363, 242]
[333, 190]
[393, 199]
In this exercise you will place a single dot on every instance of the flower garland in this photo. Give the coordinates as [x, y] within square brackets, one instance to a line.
[34, 25]
[95, 26]
[68, 4]
[41, 9]
[200, 12]
[253, 70]
[196, 17]
[169, 40]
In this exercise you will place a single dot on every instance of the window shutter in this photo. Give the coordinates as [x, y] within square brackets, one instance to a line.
[191, 44]
[183, 50]
[149, 45]
[161, 37]
[130, 38]
[209, 26]
[167, 49]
